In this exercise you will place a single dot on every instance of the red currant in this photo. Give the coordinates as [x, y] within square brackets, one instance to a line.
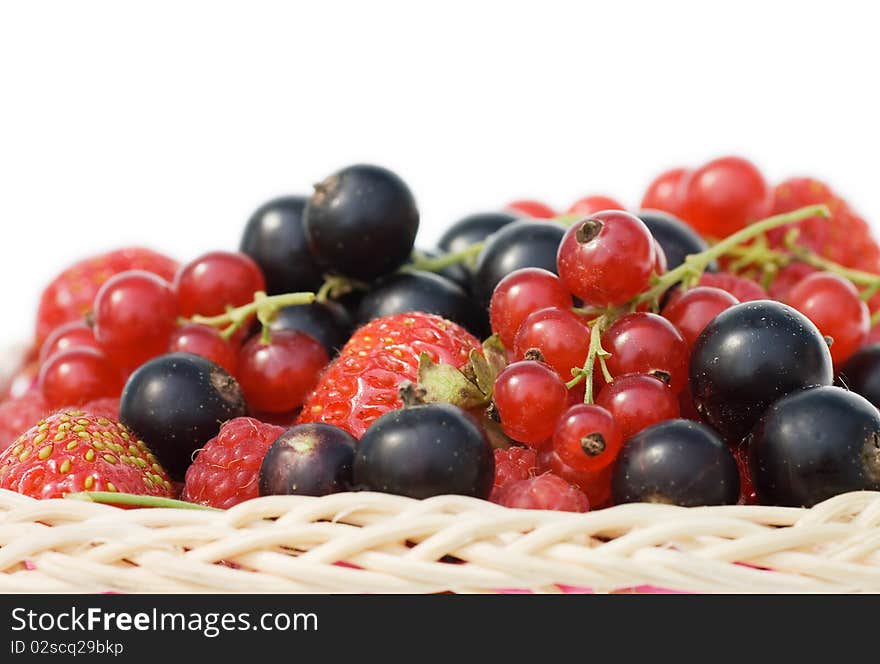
[834, 306]
[529, 397]
[595, 484]
[561, 336]
[215, 281]
[207, 342]
[74, 334]
[75, 376]
[664, 192]
[591, 204]
[520, 293]
[587, 438]
[724, 195]
[277, 376]
[606, 259]
[647, 343]
[788, 277]
[638, 401]
[532, 209]
[660, 265]
[694, 309]
[743, 289]
[135, 313]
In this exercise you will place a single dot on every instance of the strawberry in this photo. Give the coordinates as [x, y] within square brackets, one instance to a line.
[74, 451]
[362, 383]
[70, 295]
[19, 413]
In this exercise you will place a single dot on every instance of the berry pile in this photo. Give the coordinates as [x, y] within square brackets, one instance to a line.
[714, 347]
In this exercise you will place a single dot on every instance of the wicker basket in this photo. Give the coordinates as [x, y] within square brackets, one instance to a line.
[378, 543]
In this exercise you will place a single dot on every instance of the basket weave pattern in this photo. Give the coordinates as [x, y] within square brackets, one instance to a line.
[369, 542]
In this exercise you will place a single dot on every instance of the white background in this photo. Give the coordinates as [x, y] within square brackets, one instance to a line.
[166, 123]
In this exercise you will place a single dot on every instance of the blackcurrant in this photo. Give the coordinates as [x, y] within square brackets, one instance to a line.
[678, 462]
[517, 245]
[362, 222]
[275, 238]
[327, 322]
[861, 373]
[308, 460]
[176, 403]
[675, 237]
[473, 228]
[749, 356]
[815, 444]
[424, 451]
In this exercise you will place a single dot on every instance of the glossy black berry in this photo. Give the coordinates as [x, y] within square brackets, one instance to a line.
[815, 444]
[750, 356]
[422, 291]
[517, 245]
[425, 451]
[678, 462]
[328, 322]
[308, 460]
[176, 403]
[472, 229]
[861, 373]
[675, 237]
[361, 222]
[275, 238]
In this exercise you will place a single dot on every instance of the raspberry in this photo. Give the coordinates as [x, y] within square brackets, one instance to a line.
[17, 414]
[75, 451]
[544, 492]
[226, 471]
[513, 464]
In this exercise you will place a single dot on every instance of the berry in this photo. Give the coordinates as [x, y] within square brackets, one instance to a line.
[517, 245]
[664, 192]
[748, 357]
[587, 438]
[73, 451]
[637, 401]
[861, 373]
[512, 464]
[529, 397]
[592, 204]
[520, 293]
[834, 306]
[660, 263]
[361, 384]
[205, 341]
[544, 492]
[596, 485]
[275, 239]
[71, 294]
[562, 338]
[327, 322]
[393, 456]
[226, 470]
[276, 375]
[177, 402]
[75, 334]
[73, 377]
[677, 462]
[215, 281]
[815, 444]
[723, 196]
[135, 314]
[361, 222]
[422, 291]
[787, 278]
[308, 460]
[607, 259]
[647, 343]
[744, 290]
[692, 310]
[533, 209]
[19, 413]
[675, 237]
[472, 229]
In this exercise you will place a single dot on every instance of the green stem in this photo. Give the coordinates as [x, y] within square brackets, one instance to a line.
[135, 500]
[265, 306]
[428, 264]
[875, 318]
[595, 351]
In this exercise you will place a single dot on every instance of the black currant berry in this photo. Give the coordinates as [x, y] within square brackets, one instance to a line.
[678, 462]
[422, 291]
[675, 237]
[176, 403]
[424, 451]
[361, 222]
[472, 229]
[815, 444]
[749, 356]
[328, 322]
[861, 373]
[517, 245]
[308, 460]
[274, 237]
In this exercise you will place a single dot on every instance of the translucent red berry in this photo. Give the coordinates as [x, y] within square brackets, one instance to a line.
[215, 281]
[650, 344]
[70, 335]
[591, 204]
[664, 192]
[638, 401]
[529, 397]
[520, 293]
[562, 337]
[532, 209]
[205, 341]
[587, 438]
[695, 308]
[78, 375]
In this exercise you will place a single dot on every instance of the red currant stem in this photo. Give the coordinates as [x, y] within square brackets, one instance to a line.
[875, 318]
[428, 264]
[265, 306]
[336, 285]
[595, 350]
[113, 498]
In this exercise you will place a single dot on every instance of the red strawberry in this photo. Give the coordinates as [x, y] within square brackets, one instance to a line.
[70, 295]
[361, 384]
[17, 414]
[227, 470]
[74, 451]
